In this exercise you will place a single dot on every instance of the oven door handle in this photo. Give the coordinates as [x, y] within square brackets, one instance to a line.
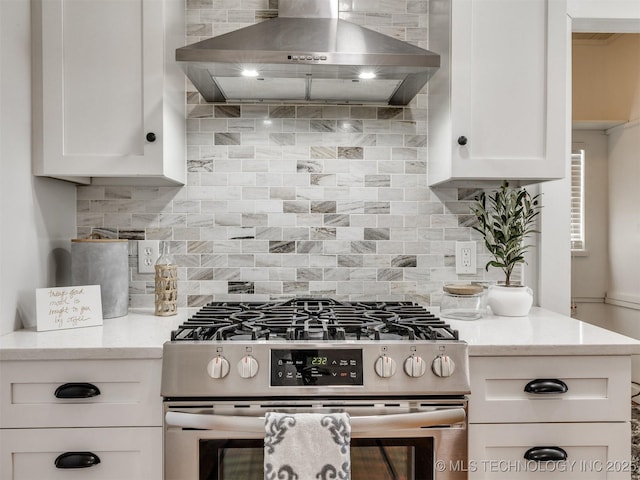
[359, 425]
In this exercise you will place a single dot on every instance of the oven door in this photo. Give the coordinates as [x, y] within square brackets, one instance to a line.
[390, 439]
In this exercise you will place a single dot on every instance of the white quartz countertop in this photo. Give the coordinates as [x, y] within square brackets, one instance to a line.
[542, 332]
[141, 334]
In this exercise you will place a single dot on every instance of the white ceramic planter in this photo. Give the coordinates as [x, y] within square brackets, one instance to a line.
[512, 301]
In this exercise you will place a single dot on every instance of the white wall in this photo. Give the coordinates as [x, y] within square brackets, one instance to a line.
[614, 16]
[606, 282]
[624, 214]
[606, 79]
[606, 86]
[37, 215]
[623, 296]
[590, 272]
[554, 253]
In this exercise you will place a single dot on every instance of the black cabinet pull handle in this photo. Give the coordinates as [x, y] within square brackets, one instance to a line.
[77, 460]
[77, 390]
[545, 454]
[151, 137]
[462, 140]
[546, 385]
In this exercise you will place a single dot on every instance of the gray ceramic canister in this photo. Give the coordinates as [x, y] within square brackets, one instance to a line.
[104, 262]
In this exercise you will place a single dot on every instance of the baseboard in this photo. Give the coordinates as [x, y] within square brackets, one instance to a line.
[623, 300]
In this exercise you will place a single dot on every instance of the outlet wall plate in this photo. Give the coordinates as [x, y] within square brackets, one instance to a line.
[148, 253]
[466, 258]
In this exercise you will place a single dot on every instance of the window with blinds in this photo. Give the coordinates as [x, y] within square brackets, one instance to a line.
[577, 200]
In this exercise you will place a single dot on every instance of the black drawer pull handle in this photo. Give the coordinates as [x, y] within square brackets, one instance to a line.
[462, 140]
[151, 137]
[546, 385]
[545, 454]
[77, 460]
[77, 390]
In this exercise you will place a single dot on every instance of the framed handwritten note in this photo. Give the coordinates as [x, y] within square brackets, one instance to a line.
[68, 307]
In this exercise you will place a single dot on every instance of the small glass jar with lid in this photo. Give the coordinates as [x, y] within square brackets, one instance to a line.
[463, 302]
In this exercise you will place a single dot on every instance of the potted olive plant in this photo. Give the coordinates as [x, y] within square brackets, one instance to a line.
[505, 218]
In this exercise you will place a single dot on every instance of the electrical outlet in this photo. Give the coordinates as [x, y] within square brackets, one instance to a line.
[465, 257]
[148, 253]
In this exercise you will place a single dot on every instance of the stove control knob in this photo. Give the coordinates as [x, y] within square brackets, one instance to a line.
[385, 366]
[443, 366]
[414, 366]
[248, 367]
[218, 367]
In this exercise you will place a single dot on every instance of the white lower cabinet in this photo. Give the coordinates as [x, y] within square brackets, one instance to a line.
[550, 417]
[594, 451]
[105, 415]
[109, 453]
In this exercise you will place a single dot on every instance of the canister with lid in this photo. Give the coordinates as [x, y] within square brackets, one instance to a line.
[463, 302]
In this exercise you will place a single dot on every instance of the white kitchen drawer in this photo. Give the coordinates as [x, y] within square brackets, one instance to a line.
[129, 393]
[124, 453]
[595, 451]
[598, 389]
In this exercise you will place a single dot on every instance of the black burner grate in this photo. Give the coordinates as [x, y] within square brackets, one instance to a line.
[313, 319]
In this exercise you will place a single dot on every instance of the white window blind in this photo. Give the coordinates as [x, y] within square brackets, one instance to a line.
[577, 200]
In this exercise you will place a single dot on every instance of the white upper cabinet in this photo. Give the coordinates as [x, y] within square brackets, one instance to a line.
[108, 97]
[497, 105]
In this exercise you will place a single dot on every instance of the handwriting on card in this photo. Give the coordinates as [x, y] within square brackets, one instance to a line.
[68, 307]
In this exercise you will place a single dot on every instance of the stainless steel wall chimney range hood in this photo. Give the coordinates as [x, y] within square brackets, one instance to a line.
[307, 55]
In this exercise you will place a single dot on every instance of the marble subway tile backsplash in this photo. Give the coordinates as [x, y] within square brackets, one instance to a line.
[284, 200]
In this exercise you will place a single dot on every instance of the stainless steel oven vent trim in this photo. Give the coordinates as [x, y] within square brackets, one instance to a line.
[307, 55]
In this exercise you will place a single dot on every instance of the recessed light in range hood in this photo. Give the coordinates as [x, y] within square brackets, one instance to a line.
[307, 55]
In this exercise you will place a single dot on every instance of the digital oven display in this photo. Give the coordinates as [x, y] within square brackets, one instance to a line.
[316, 367]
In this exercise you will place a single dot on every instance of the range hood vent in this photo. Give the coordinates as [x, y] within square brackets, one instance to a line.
[307, 55]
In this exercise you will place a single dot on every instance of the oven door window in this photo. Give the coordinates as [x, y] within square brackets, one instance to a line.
[371, 459]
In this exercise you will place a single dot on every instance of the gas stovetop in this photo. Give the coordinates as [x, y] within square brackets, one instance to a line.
[313, 347]
[313, 319]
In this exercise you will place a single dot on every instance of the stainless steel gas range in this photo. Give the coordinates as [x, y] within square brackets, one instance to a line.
[400, 372]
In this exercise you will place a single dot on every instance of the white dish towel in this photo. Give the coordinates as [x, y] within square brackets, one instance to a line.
[307, 446]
